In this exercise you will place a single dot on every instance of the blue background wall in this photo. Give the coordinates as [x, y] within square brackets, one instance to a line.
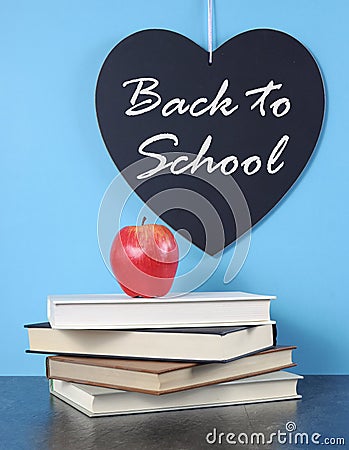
[55, 169]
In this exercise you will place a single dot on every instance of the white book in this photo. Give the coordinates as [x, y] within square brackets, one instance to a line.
[96, 401]
[197, 309]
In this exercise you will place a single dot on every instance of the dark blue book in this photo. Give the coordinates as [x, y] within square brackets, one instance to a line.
[209, 344]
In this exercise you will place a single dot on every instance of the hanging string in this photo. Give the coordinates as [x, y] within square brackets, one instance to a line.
[209, 31]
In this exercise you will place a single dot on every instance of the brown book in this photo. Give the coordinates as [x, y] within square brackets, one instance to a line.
[160, 377]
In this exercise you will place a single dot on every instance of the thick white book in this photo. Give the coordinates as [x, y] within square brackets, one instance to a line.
[97, 401]
[118, 311]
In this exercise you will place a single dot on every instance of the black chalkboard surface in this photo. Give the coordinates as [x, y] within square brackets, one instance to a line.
[254, 115]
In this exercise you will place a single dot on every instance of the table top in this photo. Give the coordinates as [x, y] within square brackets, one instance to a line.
[32, 419]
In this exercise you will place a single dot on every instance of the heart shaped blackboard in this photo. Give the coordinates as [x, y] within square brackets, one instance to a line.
[255, 114]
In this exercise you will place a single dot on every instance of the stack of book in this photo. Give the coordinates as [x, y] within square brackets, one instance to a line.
[117, 355]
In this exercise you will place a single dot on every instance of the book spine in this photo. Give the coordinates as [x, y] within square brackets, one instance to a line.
[50, 311]
[275, 333]
[47, 367]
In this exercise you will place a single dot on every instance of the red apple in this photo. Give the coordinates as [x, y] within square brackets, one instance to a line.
[144, 260]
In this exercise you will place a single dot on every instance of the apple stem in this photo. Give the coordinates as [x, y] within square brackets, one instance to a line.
[143, 220]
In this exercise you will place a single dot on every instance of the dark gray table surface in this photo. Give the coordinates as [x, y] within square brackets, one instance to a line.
[32, 419]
